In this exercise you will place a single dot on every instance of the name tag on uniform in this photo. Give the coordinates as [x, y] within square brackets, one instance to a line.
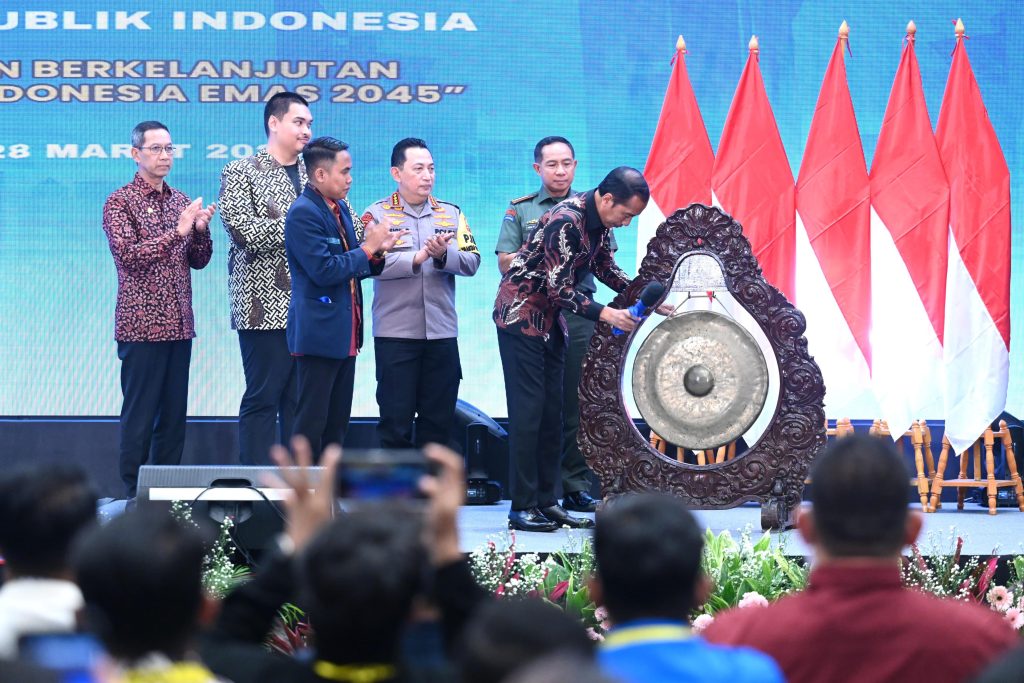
[333, 240]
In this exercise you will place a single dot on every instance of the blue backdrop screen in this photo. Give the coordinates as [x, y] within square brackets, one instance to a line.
[481, 82]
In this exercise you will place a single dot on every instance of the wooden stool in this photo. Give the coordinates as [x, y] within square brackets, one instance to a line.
[843, 428]
[921, 439]
[989, 482]
[700, 457]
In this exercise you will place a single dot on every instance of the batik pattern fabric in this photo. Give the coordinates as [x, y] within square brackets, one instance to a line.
[543, 278]
[255, 195]
[153, 261]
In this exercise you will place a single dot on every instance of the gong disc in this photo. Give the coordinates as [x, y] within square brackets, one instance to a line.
[700, 380]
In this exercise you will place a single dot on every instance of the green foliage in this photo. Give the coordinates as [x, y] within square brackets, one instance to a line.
[220, 571]
[740, 567]
[737, 568]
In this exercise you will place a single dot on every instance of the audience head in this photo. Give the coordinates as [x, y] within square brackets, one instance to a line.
[287, 116]
[859, 495]
[558, 668]
[141, 577]
[647, 549]
[42, 510]
[508, 634]
[412, 167]
[622, 195]
[360, 576]
[554, 160]
[329, 166]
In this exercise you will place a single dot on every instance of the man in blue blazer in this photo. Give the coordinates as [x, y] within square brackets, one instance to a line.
[325, 315]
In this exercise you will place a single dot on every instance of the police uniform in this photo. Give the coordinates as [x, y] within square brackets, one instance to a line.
[520, 219]
[415, 325]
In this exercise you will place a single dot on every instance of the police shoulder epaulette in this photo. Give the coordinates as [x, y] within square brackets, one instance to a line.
[394, 203]
[525, 198]
[435, 204]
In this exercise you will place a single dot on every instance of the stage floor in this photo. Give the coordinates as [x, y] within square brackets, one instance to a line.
[983, 534]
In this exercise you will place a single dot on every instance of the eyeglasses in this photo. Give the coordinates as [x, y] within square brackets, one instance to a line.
[155, 150]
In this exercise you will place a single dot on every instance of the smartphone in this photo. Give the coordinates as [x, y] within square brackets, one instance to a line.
[73, 656]
[373, 474]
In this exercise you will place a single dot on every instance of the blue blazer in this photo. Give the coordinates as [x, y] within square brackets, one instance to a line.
[320, 311]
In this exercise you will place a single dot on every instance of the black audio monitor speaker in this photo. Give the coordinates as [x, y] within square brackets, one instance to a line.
[217, 491]
[485, 445]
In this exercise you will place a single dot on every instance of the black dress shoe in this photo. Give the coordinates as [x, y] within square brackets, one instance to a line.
[530, 520]
[562, 518]
[579, 501]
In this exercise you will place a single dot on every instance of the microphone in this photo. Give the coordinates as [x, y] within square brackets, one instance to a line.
[649, 296]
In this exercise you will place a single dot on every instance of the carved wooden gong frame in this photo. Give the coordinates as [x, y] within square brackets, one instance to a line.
[773, 470]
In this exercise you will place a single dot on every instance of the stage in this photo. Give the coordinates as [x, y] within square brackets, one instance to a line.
[983, 534]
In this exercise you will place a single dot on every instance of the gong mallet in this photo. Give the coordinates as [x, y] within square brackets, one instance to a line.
[649, 296]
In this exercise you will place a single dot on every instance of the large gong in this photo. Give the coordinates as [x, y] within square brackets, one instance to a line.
[700, 380]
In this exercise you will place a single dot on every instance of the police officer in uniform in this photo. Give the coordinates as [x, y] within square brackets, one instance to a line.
[554, 160]
[415, 326]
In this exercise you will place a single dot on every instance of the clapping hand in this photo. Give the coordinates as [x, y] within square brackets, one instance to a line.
[204, 216]
[393, 238]
[188, 216]
[377, 237]
[437, 246]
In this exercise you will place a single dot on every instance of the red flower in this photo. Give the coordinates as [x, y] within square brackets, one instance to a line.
[558, 591]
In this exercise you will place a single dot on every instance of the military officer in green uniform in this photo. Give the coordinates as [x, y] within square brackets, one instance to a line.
[554, 160]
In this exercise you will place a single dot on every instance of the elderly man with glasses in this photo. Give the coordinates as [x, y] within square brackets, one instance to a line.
[156, 236]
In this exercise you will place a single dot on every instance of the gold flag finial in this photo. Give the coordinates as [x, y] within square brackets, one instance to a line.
[911, 28]
[753, 45]
[844, 31]
[680, 44]
[960, 30]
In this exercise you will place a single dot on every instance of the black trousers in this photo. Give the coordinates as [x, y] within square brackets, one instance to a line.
[270, 394]
[575, 472]
[533, 388]
[154, 384]
[417, 384]
[325, 399]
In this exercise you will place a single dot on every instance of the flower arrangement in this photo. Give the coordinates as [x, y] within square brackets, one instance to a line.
[220, 571]
[746, 574]
[949, 574]
[221, 574]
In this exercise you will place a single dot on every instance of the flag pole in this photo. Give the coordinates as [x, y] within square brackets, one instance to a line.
[911, 31]
[844, 36]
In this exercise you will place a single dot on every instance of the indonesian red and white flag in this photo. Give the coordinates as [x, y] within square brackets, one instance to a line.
[679, 165]
[977, 323]
[833, 246]
[909, 232]
[752, 179]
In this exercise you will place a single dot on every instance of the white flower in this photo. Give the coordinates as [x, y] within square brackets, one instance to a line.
[1015, 618]
[753, 599]
[702, 622]
[594, 635]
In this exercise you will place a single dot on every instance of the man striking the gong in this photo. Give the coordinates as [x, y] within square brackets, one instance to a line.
[539, 284]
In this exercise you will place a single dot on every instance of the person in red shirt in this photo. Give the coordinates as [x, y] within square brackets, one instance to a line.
[856, 620]
[156, 235]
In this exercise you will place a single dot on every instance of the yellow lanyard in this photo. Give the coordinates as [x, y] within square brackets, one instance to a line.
[181, 672]
[353, 673]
